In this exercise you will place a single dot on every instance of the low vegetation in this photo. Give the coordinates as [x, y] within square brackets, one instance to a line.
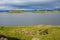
[46, 11]
[39, 32]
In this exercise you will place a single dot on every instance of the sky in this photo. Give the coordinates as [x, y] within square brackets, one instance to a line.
[29, 4]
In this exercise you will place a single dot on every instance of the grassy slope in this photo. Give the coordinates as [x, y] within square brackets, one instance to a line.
[29, 32]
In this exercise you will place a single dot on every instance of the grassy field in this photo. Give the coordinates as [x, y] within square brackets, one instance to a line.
[39, 32]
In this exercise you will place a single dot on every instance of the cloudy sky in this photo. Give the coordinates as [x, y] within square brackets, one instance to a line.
[29, 4]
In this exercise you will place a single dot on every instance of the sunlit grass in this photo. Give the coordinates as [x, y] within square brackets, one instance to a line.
[39, 32]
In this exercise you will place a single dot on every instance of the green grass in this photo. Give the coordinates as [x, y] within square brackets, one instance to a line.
[42, 32]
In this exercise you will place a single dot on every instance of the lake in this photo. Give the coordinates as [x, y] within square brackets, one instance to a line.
[27, 18]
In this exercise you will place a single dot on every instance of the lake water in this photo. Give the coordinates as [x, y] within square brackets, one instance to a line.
[7, 19]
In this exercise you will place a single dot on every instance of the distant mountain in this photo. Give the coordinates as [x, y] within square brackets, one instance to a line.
[23, 10]
[57, 9]
[3, 10]
[32, 10]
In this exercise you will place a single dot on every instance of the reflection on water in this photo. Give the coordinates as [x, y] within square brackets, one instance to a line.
[29, 19]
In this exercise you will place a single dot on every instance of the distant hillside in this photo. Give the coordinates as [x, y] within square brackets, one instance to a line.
[3, 10]
[29, 10]
[57, 9]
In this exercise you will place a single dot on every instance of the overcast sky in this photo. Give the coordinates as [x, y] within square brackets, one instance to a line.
[29, 4]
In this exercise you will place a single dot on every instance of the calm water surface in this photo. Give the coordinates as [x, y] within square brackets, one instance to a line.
[7, 19]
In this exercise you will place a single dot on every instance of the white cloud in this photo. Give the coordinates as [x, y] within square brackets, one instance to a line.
[2, 7]
[26, 9]
[20, 2]
[6, 8]
[3, 1]
[42, 0]
[11, 8]
[23, 1]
